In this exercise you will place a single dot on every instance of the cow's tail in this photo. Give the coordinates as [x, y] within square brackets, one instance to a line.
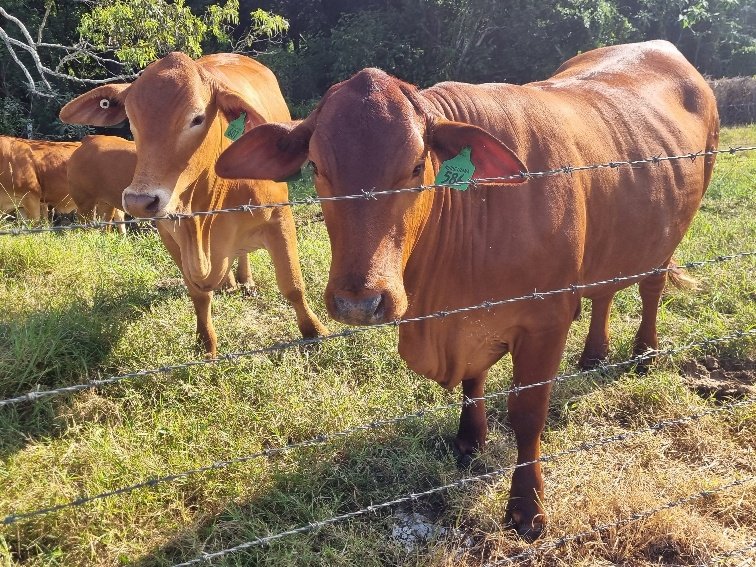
[680, 278]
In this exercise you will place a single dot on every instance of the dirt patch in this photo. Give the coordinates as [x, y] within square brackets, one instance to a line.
[721, 377]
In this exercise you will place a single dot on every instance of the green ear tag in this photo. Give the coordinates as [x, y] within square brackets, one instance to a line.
[236, 127]
[457, 171]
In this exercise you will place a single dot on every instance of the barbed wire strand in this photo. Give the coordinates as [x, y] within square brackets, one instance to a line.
[735, 552]
[325, 438]
[579, 537]
[587, 446]
[236, 356]
[373, 193]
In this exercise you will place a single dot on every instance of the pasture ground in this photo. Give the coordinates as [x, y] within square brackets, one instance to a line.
[81, 304]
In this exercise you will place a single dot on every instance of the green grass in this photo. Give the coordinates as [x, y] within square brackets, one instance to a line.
[85, 304]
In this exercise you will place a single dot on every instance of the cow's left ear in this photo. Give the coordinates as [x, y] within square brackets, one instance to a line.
[490, 156]
[231, 105]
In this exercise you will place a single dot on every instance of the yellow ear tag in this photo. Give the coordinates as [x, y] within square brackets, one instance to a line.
[456, 172]
[236, 127]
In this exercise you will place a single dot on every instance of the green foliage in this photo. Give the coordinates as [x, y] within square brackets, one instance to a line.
[140, 31]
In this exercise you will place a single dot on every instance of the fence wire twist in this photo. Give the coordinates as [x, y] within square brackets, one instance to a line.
[622, 522]
[374, 194]
[587, 446]
[235, 356]
[325, 438]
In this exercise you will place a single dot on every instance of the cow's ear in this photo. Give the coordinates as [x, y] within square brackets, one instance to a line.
[103, 106]
[275, 150]
[232, 105]
[490, 157]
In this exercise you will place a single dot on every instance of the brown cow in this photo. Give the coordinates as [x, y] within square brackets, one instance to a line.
[98, 172]
[51, 164]
[412, 254]
[19, 188]
[178, 111]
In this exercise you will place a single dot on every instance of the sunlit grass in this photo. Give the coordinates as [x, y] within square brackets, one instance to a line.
[85, 304]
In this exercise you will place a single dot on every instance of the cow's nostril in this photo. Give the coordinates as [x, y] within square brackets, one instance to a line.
[152, 206]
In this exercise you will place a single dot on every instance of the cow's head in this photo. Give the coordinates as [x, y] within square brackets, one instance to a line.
[369, 132]
[174, 109]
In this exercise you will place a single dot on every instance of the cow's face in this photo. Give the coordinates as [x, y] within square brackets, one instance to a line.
[370, 132]
[177, 112]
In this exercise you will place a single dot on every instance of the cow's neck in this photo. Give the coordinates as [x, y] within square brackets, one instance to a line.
[454, 228]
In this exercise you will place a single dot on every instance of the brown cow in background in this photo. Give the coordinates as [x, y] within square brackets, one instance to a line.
[19, 188]
[178, 111]
[415, 253]
[98, 172]
[51, 164]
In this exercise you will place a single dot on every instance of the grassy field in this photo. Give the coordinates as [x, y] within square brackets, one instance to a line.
[80, 305]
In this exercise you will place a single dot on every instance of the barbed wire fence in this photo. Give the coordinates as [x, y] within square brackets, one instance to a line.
[324, 438]
[328, 437]
[489, 476]
[484, 305]
[373, 193]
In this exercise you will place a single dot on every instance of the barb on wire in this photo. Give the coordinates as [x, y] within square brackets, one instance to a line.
[373, 194]
[325, 438]
[235, 356]
[579, 537]
[587, 446]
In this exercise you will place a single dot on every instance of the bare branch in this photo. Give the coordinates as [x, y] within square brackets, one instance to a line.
[30, 42]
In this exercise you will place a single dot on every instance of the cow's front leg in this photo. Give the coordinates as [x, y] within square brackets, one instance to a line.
[536, 359]
[281, 242]
[202, 301]
[473, 428]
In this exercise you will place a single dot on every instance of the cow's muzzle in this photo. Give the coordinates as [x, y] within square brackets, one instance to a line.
[143, 204]
[365, 308]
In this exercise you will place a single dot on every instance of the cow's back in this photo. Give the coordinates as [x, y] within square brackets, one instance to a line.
[612, 104]
[254, 81]
[100, 169]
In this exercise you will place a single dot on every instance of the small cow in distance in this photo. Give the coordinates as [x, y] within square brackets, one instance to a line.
[178, 110]
[412, 254]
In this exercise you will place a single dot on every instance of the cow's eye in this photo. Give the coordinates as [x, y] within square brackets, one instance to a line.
[418, 170]
[197, 120]
[314, 168]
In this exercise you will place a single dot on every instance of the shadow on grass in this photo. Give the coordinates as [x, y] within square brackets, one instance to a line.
[57, 347]
[358, 472]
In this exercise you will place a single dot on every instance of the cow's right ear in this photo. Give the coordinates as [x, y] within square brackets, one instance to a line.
[103, 106]
[276, 150]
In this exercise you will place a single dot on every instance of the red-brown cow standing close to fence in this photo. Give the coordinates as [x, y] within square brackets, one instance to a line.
[178, 111]
[416, 253]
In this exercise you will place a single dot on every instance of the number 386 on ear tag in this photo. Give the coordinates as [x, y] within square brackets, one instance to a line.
[456, 172]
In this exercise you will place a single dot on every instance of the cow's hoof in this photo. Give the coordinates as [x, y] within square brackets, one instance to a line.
[528, 527]
[248, 290]
[591, 361]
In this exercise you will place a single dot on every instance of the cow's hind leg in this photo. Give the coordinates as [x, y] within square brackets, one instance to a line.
[536, 359]
[281, 243]
[651, 288]
[473, 428]
[597, 343]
